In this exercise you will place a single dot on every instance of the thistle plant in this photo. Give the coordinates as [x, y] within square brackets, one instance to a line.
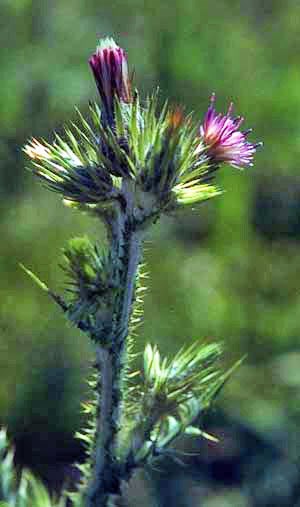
[129, 163]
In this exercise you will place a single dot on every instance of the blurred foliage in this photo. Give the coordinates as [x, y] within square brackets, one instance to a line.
[22, 491]
[227, 270]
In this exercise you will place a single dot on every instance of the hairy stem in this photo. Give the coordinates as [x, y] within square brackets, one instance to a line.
[132, 256]
[104, 360]
[126, 252]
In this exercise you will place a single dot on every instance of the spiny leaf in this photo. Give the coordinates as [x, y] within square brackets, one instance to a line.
[196, 432]
[35, 278]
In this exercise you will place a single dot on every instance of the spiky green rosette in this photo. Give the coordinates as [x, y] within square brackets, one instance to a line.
[128, 164]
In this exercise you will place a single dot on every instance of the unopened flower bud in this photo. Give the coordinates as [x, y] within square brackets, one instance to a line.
[110, 69]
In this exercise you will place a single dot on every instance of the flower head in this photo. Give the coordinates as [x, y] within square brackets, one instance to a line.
[223, 140]
[110, 69]
[71, 167]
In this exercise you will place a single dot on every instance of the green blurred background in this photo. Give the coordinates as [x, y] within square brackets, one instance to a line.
[228, 270]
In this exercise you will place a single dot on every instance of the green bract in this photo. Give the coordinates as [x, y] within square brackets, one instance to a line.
[172, 394]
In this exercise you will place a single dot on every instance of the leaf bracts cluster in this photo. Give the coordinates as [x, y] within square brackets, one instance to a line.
[159, 153]
[172, 395]
[90, 284]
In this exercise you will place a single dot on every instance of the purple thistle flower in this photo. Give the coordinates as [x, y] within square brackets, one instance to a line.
[223, 140]
[110, 69]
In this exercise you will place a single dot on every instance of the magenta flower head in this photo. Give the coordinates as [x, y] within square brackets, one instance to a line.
[223, 140]
[110, 69]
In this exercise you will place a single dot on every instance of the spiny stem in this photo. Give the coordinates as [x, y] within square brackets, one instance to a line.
[126, 252]
[133, 258]
[103, 417]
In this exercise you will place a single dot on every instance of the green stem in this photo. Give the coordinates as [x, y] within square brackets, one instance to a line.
[132, 259]
[126, 247]
[96, 494]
